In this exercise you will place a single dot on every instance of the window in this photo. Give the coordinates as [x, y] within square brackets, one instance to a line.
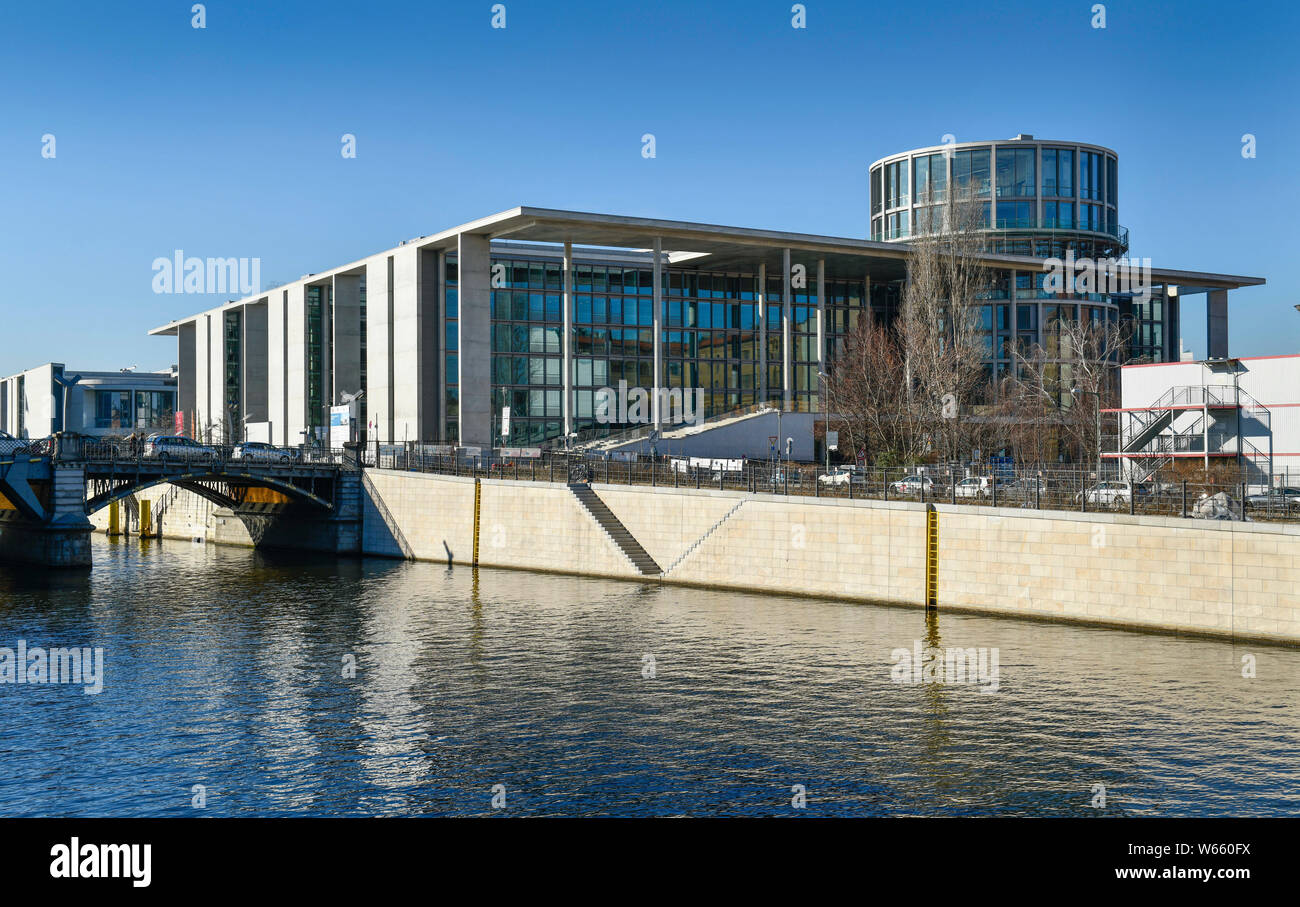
[1016, 172]
[1058, 172]
[1013, 215]
[970, 172]
[896, 184]
[930, 180]
[1090, 175]
[1058, 215]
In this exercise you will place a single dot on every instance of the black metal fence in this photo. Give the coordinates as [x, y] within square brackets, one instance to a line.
[1074, 490]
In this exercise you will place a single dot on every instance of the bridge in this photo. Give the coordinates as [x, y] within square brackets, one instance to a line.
[308, 498]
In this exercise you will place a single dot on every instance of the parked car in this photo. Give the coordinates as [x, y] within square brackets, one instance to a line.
[843, 475]
[982, 486]
[1284, 498]
[178, 447]
[261, 452]
[912, 485]
[1112, 494]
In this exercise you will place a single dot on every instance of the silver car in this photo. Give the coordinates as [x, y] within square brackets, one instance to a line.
[261, 452]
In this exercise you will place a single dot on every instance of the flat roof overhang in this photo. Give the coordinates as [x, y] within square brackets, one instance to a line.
[715, 247]
[718, 248]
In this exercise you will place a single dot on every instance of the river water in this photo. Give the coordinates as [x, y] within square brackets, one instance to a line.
[497, 691]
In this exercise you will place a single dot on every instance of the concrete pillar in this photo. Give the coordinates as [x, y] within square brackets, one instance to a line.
[346, 327]
[379, 347]
[474, 264]
[1216, 324]
[253, 360]
[295, 366]
[186, 381]
[821, 314]
[407, 325]
[787, 316]
[657, 290]
[566, 341]
[761, 300]
[277, 351]
[202, 375]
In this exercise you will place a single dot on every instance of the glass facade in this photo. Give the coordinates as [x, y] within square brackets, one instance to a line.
[125, 410]
[1066, 196]
[711, 339]
[1048, 199]
[232, 323]
[317, 346]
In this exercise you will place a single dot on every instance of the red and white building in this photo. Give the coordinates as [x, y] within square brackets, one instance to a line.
[1245, 410]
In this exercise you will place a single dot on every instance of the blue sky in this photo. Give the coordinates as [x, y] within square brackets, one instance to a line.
[225, 141]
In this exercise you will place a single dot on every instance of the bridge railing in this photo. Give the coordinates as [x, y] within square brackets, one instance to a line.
[219, 457]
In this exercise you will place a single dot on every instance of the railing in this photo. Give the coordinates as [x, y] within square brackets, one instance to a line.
[1074, 490]
[218, 457]
[593, 439]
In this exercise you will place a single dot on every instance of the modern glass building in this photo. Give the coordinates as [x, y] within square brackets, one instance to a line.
[32, 402]
[1039, 199]
[538, 309]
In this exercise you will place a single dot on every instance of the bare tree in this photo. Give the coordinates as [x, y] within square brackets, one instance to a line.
[1061, 387]
[864, 391]
[939, 323]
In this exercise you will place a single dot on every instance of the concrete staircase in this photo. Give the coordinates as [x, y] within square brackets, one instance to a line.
[700, 541]
[615, 529]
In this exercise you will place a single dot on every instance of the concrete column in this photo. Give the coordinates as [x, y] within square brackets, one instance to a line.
[406, 348]
[346, 325]
[185, 382]
[761, 299]
[657, 290]
[821, 314]
[566, 341]
[474, 264]
[787, 317]
[254, 362]
[277, 347]
[202, 376]
[379, 348]
[1216, 324]
[295, 366]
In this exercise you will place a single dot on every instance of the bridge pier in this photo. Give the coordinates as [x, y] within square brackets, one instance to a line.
[301, 528]
[63, 540]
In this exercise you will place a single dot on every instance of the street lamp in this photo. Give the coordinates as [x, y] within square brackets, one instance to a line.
[1077, 391]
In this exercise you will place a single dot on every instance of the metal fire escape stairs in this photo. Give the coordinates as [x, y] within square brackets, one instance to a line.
[1153, 435]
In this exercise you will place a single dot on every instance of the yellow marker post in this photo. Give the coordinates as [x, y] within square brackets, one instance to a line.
[146, 520]
[114, 519]
[478, 492]
[931, 558]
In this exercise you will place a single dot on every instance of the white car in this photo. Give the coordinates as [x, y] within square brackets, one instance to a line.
[844, 475]
[1111, 494]
[178, 447]
[912, 485]
[261, 452]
